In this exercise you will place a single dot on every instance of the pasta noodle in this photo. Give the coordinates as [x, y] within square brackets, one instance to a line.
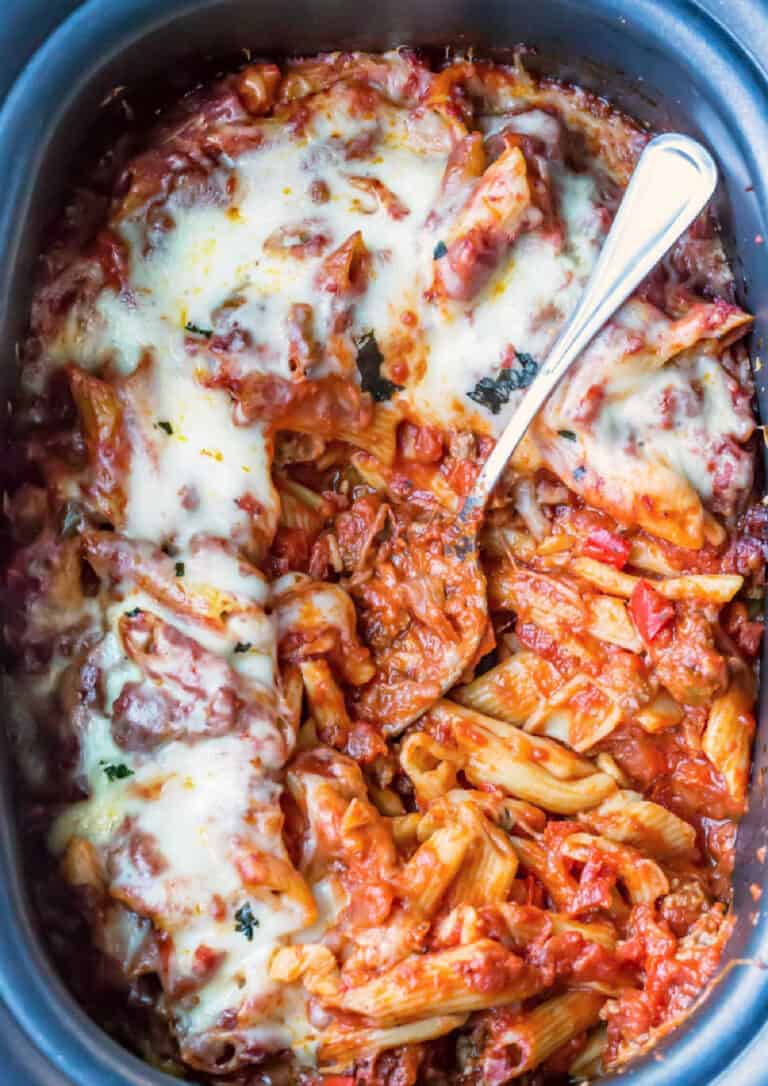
[534, 1036]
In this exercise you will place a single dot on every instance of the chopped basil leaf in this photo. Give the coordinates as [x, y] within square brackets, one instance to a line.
[567, 434]
[529, 367]
[440, 250]
[179, 567]
[242, 646]
[71, 520]
[246, 921]
[369, 360]
[132, 614]
[196, 330]
[494, 392]
[117, 772]
[163, 425]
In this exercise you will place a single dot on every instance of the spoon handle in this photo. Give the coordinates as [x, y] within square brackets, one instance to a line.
[673, 180]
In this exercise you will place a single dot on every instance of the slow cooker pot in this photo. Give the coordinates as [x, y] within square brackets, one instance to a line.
[671, 63]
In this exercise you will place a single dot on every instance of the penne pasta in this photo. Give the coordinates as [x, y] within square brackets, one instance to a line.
[610, 622]
[534, 1036]
[326, 702]
[580, 714]
[727, 738]
[445, 979]
[643, 879]
[386, 801]
[466, 725]
[500, 810]
[560, 885]
[504, 541]
[660, 713]
[606, 763]
[339, 1048]
[525, 924]
[310, 963]
[432, 766]
[314, 618]
[291, 693]
[536, 785]
[106, 441]
[405, 830]
[379, 437]
[649, 555]
[264, 875]
[489, 869]
[606, 578]
[629, 819]
[300, 507]
[433, 867]
[512, 690]
[562, 609]
[706, 588]
[531, 768]
[589, 1062]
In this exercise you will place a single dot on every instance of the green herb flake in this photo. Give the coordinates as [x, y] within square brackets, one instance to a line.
[245, 921]
[568, 435]
[196, 330]
[439, 251]
[132, 614]
[242, 646]
[528, 368]
[162, 424]
[369, 362]
[117, 772]
[579, 473]
[179, 568]
[494, 392]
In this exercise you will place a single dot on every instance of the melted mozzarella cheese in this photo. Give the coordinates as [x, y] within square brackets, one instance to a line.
[197, 804]
[213, 267]
[193, 480]
[700, 416]
[521, 309]
[680, 415]
[215, 256]
[194, 803]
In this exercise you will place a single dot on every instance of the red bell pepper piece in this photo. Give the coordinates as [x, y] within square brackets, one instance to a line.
[607, 547]
[650, 611]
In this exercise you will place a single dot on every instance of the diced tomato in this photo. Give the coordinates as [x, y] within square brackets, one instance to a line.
[461, 475]
[650, 611]
[338, 1080]
[424, 444]
[607, 547]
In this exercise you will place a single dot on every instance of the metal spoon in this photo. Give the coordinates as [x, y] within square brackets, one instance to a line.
[673, 180]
